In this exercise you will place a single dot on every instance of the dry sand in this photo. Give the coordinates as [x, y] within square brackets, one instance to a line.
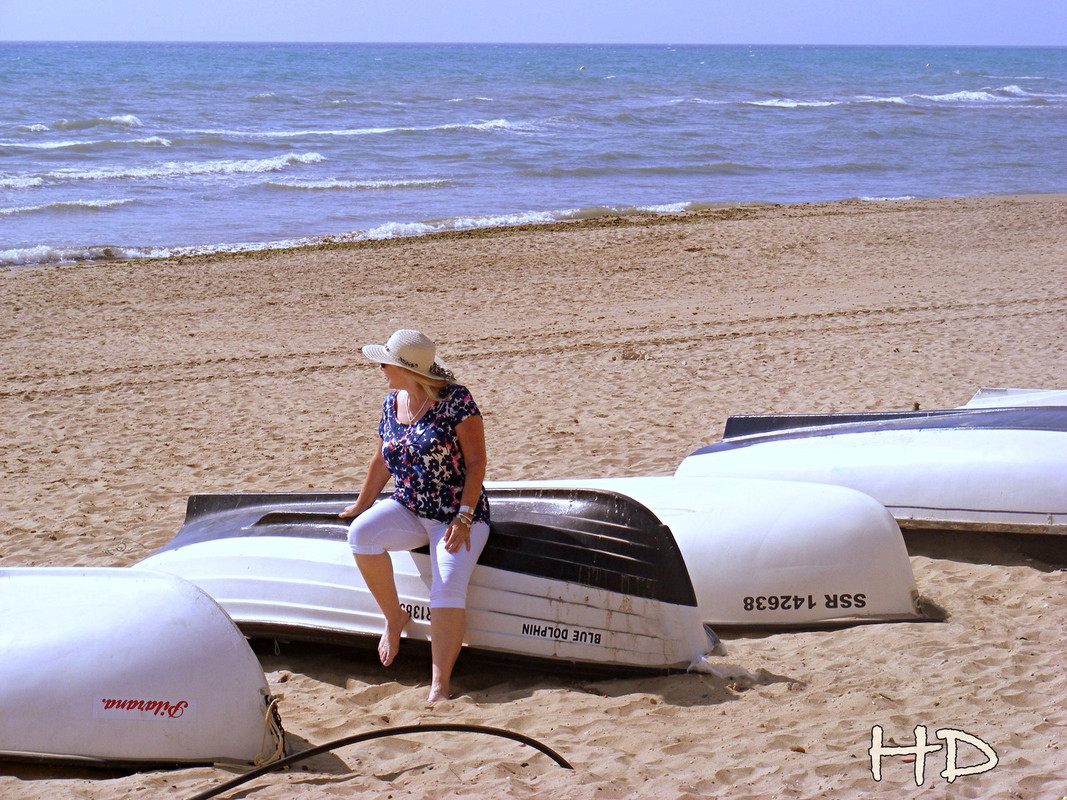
[604, 348]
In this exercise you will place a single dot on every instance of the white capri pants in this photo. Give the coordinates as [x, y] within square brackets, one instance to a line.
[388, 525]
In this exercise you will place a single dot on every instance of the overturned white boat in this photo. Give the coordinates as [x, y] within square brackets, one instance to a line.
[994, 397]
[989, 466]
[776, 554]
[585, 577]
[126, 667]
[608, 573]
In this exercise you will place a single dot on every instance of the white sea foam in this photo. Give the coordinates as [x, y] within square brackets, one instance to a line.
[399, 230]
[255, 135]
[338, 184]
[700, 101]
[44, 255]
[395, 230]
[495, 124]
[504, 220]
[368, 102]
[43, 145]
[20, 256]
[120, 120]
[152, 141]
[173, 169]
[960, 97]
[20, 182]
[68, 205]
[794, 103]
[895, 101]
[490, 125]
[667, 208]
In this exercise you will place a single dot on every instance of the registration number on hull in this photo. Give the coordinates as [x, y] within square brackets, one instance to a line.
[806, 602]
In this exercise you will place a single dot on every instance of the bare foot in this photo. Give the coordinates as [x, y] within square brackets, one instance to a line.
[389, 644]
[438, 694]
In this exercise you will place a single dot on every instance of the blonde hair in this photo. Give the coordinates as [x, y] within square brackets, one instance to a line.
[431, 386]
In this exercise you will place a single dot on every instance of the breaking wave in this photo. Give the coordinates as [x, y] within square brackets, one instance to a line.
[70, 205]
[490, 125]
[87, 145]
[178, 169]
[43, 255]
[336, 184]
[118, 121]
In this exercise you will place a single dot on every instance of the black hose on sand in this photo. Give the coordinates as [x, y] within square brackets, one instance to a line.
[377, 734]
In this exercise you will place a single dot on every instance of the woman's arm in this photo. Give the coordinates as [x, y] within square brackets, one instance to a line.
[471, 435]
[377, 476]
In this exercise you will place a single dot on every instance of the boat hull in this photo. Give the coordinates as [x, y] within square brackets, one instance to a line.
[116, 666]
[604, 590]
[779, 554]
[991, 397]
[721, 556]
[996, 470]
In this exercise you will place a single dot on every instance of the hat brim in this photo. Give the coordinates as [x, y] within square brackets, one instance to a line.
[378, 353]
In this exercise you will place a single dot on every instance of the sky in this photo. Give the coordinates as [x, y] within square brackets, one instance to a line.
[920, 22]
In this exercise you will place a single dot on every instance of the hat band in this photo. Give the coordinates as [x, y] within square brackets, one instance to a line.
[434, 370]
[442, 372]
[402, 360]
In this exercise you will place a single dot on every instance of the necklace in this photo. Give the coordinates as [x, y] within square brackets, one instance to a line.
[407, 404]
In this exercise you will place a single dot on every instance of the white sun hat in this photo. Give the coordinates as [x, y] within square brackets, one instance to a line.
[411, 350]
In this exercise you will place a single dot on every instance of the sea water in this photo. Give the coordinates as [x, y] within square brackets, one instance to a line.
[147, 150]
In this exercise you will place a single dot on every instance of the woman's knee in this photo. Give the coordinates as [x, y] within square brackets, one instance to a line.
[385, 526]
[448, 597]
[363, 539]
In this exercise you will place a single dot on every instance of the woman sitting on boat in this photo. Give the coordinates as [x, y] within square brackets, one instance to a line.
[433, 446]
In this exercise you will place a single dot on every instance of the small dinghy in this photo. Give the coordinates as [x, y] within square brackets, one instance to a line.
[989, 466]
[112, 666]
[614, 573]
[585, 577]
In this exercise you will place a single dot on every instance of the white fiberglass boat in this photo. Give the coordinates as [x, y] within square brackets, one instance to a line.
[991, 397]
[615, 573]
[119, 666]
[777, 554]
[990, 466]
[579, 576]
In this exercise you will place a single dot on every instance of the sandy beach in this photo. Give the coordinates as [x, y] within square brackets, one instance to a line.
[604, 348]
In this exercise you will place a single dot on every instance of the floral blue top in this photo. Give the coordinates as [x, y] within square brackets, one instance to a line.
[425, 459]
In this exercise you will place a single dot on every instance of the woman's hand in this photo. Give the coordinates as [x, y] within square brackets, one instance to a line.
[377, 477]
[458, 533]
